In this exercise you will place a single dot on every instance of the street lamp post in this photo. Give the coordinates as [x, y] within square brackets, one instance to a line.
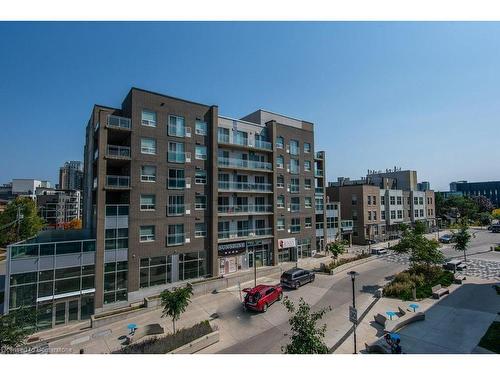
[353, 275]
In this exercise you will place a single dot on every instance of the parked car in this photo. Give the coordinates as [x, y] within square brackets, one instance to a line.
[495, 228]
[379, 250]
[261, 297]
[296, 277]
[447, 238]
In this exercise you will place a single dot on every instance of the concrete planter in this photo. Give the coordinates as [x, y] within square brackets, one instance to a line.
[351, 264]
[198, 344]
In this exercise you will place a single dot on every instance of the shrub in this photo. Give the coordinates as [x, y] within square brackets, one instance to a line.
[497, 248]
[165, 344]
[334, 264]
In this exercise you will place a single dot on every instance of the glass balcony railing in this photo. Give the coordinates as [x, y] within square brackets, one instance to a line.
[223, 138]
[318, 172]
[240, 163]
[249, 208]
[121, 182]
[242, 141]
[119, 122]
[294, 207]
[176, 157]
[176, 183]
[118, 151]
[176, 239]
[244, 233]
[177, 209]
[245, 186]
[319, 155]
[319, 190]
[263, 144]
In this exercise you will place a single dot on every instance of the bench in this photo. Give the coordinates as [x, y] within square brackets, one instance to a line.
[147, 330]
[404, 318]
[438, 291]
[459, 279]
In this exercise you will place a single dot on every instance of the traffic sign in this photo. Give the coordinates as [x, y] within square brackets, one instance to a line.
[353, 315]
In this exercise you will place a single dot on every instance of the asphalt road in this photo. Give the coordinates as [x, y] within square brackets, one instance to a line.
[338, 295]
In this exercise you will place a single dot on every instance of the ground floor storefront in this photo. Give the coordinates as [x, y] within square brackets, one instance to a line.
[243, 255]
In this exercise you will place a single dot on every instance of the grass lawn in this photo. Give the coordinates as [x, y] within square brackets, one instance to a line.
[491, 339]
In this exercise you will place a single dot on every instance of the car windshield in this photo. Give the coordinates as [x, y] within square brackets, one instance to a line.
[252, 297]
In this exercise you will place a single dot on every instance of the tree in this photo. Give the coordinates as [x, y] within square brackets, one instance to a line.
[336, 248]
[421, 249]
[419, 228]
[306, 338]
[496, 214]
[175, 302]
[73, 224]
[14, 230]
[485, 218]
[462, 238]
[483, 203]
[15, 328]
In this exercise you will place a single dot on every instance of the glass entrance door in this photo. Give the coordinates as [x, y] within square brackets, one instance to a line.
[60, 313]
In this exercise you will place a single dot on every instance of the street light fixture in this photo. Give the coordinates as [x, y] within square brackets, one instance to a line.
[353, 275]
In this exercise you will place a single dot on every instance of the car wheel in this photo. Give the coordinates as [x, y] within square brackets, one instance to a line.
[297, 285]
[280, 296]
[264, 308]
[312, 278]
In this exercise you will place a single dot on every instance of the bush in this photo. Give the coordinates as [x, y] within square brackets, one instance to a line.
[334, 264]
[497, 248]
[165, 344]
[422, 278]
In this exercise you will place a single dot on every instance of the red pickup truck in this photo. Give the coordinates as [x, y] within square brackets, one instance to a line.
[261, 297]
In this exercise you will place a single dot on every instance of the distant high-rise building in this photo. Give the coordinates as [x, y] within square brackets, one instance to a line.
[488, 189]
[423, 186]
[71, 176]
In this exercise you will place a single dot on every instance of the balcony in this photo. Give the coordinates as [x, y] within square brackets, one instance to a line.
[346, 225]
[319, 155]
[318, 173]
[179, 131]
[244, 233]
[179, 183]
[294, 207]
[117, 182]
[249, 209]
[245, 186]
[178, 209]
[244, 142]
[118, 122]
[179, 157]
[118, 152]
[247, 164]
[319, 190]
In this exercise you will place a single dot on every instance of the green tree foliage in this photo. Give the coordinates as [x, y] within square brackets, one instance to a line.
[422, 250]
[462, 238]
[306, 338]
[468, 208]
[485, 218]
[336, 248]
[15, 328]
[419, 228]
[29, 225]
[483, 203]
[175, 302]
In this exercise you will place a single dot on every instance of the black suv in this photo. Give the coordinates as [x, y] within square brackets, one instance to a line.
[296, 277]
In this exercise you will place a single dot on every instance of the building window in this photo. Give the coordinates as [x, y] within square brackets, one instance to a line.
[148, 118]
[319, 203]
[382, 215]
[392, 200]
[421, 213]
[192, 265]
[200, 127]
[223, 135]
[148, 173]
[369, 199]
[200, 202]
[200, 152]
[200, 230]
[280, 161]
[148, 146]
[200, 176]
[176, 126]
[295, 204]
[295, 225]
[280, 142]
[420, 200]
[400, 214]
[116, 239]
[308, 202]
[280, 201]
[374, 215]
[294, 147]
[354, 200]
[374, 200]
[400, 200]
[308, 222]
[175, 234]
[115, 282]
[294, 185]
[280, 181]
[241, 138]
[354, 215]
[369, 215]
[307, 148]
[148, 202]
[155, 271]
[307, 183]
[382, 200]
[280, 224]
[294, 166]
[176, 179]
[415, 200]
[307, 166]
[393, 214]
[147, 233]
[176, 152]
[176, 205]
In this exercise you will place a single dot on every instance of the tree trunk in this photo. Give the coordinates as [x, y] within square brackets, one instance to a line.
[465, 256]
[173, 324]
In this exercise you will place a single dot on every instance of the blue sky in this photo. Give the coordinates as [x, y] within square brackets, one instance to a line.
[419, 95]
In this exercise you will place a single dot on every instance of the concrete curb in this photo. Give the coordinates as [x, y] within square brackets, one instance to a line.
[198, 344]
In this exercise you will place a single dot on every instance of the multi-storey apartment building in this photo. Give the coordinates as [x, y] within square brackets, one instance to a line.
[381, 202]
[174, 192]
[59, 207]
[71, 176]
